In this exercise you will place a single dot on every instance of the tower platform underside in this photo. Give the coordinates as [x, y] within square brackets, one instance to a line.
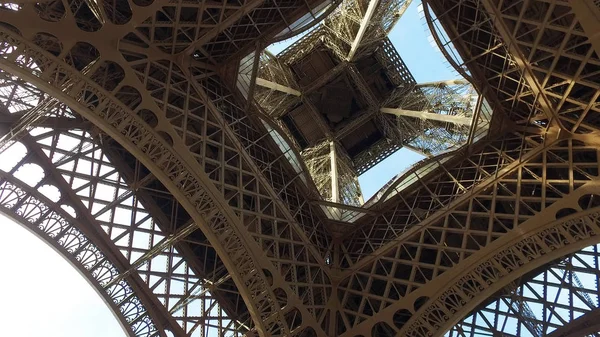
[206, 187]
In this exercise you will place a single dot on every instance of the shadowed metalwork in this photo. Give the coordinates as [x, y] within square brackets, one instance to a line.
[207, 187]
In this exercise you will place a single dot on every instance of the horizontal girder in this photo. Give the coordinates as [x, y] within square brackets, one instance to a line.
[143, 92]
[428, 115]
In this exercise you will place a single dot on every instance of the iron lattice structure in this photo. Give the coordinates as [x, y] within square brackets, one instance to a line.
[140, 143]
[344, 83]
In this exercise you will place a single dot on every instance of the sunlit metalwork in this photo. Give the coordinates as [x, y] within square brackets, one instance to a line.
[344, 79]
[206, 187]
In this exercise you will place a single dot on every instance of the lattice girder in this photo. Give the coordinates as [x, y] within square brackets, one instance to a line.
[162, 105]
[48, 63]
[532, 53]
[559, 303]
[395, 226]
[274, 99]
[426, 252]
[65, 223]
[132, 54]
[293, 88]
[320, 161]
[566, 76]
[541, 241]
[57, 223]
[194, 248]
[448, 183]
[457, 114]
[346, 24]
[492, 66]
[82, 169]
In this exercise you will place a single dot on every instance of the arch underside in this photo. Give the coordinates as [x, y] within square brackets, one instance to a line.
[560, 300]
[185, 215]
[98, 215]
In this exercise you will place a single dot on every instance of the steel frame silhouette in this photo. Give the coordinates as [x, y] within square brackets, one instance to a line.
[211, 227]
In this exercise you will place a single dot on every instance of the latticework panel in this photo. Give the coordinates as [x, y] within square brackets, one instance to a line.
[354, 37]
[131, 98]
[442, 186]
[56, 227]
[565, 292]
[558, 54]
[531, 53]
[457, 99]
[411, 254]
[93, 189]
[478, 51]
[319, 163]
[74, 171]
[273, 101]
[190, 216]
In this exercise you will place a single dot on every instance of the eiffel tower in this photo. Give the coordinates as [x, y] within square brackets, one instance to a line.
[206, 187]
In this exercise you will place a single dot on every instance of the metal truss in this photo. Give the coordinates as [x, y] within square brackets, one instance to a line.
[550, 301]
[110, 98]
[86, 187]
[532, 53]
[352, 44]
[449, 113]
[133, 145]
[332, 172]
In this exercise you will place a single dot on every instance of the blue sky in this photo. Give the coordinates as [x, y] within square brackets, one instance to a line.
[411, 37]
[46, 296]
[43, 295]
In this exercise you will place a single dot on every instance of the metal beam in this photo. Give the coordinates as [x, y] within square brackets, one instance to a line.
[335, 194]
[363, 28]
[458, 81]
[462, 198]
[584, 325]
[588, 16]
[428, 115]
[399, 14]
[513, 48]
[221, 26]
[276, 86]
[244, 269]
[93, 230]
[495, 257]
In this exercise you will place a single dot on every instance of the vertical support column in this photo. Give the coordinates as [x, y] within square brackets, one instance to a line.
[588, 14]
[363, 28]
[335, 187]
[475, 122]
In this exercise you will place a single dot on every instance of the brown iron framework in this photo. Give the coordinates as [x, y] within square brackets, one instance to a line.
[164, 177]
[346, 100]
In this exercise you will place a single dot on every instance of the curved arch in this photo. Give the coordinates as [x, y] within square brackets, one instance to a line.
[185, 181]
[557, 300]
[269, 121]
[333, 5]
[441, 47]
[387, 190]
[532, 246]
[57, 229]
[125, 228]
[579, 327]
